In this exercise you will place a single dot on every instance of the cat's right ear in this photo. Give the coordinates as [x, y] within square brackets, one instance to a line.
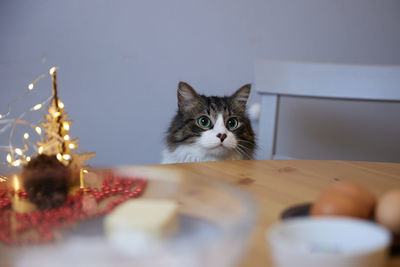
[186, 96]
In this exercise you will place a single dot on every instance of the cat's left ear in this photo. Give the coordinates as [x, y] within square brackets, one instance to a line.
[242, 95]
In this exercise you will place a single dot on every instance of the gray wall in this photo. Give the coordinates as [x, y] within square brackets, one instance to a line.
[120, 61]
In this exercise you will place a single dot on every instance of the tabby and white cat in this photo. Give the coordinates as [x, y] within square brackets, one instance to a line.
[209, 128]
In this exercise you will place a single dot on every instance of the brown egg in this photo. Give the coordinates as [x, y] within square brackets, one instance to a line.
[345, 199]
[387, 211]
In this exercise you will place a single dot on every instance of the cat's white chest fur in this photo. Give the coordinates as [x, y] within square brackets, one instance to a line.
[193, 153]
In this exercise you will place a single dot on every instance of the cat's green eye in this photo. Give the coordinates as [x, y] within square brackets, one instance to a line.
[232, 124]
[204, 122]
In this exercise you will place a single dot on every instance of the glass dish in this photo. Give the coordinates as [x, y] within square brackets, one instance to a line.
[215, 221]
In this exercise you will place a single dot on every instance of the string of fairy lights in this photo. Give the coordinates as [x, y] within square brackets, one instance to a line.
[30, 88]
[53, 132]
[17, 156]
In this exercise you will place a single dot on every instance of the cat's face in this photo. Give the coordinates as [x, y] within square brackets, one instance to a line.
[218, 137]
[212, 126]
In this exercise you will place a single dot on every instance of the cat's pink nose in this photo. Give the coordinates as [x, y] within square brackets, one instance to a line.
[221, 137]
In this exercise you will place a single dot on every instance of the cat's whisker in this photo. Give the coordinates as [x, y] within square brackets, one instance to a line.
[243, 153]
[253, 144]
[244, 147]
[246, 150]
[242, 150]
[245, 141]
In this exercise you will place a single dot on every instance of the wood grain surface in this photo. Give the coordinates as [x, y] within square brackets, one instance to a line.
[279, 184]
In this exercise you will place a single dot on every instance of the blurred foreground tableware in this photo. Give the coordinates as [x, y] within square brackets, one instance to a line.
[328, 242]
[215, 221]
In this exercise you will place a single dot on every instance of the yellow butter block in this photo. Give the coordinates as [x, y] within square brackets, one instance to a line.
[152, 218]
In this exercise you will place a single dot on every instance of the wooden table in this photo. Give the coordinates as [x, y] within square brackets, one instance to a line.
[277, 185]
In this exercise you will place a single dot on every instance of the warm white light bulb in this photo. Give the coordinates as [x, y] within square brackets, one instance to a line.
[56, 114]
[26, 135]
[38, 130]
[28, 159]
[40, 150]
[30, 86]
[59, 157]
[66, 137]
[1, 116]
[52, 70]
[9, 159]
[66, 126]
[60, 104]
[37, 107]
[18, 151]
[16, 163]
[71, 146]
[66, 157]
[85, 171]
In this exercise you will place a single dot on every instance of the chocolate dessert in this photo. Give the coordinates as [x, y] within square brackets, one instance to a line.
[45, 179]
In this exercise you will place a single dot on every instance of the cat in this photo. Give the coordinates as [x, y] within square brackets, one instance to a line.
[209, 128]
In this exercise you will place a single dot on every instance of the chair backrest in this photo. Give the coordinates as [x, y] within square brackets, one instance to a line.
[274, 79]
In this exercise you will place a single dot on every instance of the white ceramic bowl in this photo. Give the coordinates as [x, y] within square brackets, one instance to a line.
[328, 242]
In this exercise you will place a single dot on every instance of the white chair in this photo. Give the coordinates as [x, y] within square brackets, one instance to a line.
[276, 79]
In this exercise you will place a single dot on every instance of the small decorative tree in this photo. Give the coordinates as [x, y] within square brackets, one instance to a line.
[53, 130]
[57, 140]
